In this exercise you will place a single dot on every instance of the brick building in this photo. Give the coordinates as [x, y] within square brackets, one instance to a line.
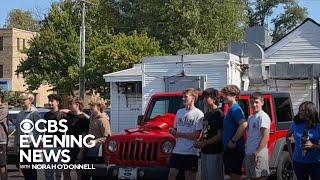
[12, 42]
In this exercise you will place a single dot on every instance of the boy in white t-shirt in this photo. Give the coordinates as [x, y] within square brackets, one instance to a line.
[257, 160]
[187, 128]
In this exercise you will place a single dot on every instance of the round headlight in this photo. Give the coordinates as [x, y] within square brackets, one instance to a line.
[112, 146]
[167, 147]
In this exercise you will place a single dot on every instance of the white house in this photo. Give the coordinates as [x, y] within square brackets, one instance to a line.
[293, 64]
[131, 89]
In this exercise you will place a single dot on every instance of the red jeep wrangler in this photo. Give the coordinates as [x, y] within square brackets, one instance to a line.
[144, 152]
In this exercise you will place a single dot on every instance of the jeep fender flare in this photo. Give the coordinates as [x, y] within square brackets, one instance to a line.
[278, 148]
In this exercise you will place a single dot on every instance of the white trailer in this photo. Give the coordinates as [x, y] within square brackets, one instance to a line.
[131, 89]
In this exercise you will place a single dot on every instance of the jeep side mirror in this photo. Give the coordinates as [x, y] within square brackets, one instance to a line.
[140, 120]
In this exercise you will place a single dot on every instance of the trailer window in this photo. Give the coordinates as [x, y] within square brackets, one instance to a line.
[283, 109]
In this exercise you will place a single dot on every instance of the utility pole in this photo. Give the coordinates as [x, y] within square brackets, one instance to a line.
[82, 60]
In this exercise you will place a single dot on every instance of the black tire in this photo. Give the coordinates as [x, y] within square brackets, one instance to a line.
[285, 169]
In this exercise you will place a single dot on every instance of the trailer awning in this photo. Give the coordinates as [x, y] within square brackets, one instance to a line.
[127, 75]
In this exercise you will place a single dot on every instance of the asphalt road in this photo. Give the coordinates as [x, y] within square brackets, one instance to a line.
[13, 174]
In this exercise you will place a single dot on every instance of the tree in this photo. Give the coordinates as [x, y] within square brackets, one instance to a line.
[13, 98]
[54, 54]
[121, 53]
[259, 10]
[22, 19]
[195, 26]
[286, 21]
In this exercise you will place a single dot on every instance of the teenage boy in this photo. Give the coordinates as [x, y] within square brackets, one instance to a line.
[29, 111]
[187, 128]
[234, 125]
[57, 115]
[256, 161]
[211, 138]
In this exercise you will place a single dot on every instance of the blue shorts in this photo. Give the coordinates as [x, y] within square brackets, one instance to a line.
[184, 162]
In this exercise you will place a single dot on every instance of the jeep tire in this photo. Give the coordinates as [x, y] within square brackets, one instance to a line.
[285, 169]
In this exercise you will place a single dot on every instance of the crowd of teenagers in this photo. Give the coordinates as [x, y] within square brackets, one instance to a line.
[78, 122]
[217, 138]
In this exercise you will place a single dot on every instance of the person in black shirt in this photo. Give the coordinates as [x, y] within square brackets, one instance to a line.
[54, 114]
[211, 138]
[78, 124]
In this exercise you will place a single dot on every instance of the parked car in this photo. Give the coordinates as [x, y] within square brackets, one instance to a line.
[144, 152]
[12, 149]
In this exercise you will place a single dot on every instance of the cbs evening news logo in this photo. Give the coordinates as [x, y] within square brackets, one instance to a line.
[38, 144]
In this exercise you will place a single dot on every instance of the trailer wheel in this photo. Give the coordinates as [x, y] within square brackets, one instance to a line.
[285, 169]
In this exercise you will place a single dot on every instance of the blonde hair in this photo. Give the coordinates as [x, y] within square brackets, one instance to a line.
[29, 96]
[192, 92]
[98, 101]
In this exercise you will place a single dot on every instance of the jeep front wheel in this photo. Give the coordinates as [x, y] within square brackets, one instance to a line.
[285, 169]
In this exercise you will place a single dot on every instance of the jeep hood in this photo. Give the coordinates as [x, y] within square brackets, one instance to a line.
[158, 125]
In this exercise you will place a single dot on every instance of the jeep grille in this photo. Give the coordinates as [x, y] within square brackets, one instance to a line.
[138, 151]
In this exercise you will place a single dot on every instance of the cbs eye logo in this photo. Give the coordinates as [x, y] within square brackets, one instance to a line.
[27, 126]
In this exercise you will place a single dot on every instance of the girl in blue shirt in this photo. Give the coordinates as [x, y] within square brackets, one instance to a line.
[306, 133]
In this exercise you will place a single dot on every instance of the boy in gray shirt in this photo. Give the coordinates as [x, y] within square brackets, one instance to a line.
[257, 160]
[28, 112]
[187, 128]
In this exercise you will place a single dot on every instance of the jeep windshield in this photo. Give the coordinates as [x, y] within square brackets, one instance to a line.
[164, 105]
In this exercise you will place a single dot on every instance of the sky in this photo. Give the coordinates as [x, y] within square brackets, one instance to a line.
[41, 7]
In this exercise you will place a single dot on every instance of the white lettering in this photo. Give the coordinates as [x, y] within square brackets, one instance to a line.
[25, 156]
[62, 123]
[85, 139]
[50, 154]
[37, 155]
[43, 126]
[66, 158]
[46, 139]
[24, 141]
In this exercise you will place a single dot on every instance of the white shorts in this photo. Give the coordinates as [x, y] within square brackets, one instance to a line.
[258, 169]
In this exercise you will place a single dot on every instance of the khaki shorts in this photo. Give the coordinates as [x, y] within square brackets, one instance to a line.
[258, 169]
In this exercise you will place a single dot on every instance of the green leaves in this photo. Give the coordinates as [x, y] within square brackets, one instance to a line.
[120, 53]
[284, 22]
[22, 19]
[259, 10]
[190, 25]
[53, 56]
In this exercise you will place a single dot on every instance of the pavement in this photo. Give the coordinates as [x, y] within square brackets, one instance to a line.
[13, 173]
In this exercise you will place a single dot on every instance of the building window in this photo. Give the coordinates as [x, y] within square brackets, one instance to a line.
[1, 71]
[18, 44]
[23, 43]
[1, 43]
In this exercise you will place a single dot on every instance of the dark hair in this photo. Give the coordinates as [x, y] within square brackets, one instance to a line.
[311, 112]
[212, 93]
[257, 95]
[76, 100]
[232, 90]
[54, 97]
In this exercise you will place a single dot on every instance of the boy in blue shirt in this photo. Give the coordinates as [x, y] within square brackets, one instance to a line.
[234, 126]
